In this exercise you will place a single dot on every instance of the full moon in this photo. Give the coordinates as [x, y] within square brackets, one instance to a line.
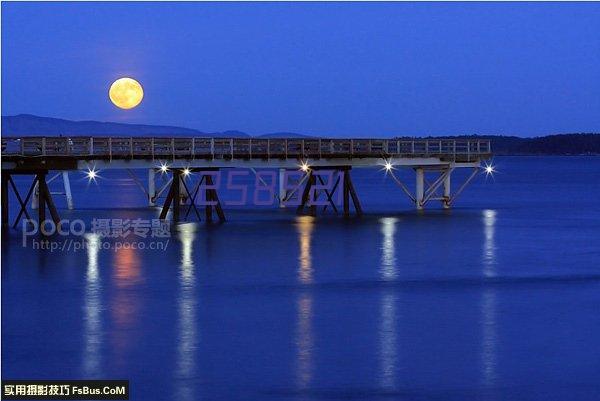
[126, 93]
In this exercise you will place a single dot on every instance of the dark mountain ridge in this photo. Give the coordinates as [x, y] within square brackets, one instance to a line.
[30, 125]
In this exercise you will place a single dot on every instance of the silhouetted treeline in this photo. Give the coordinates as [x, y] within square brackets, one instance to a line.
[564, 144]
[29, 125]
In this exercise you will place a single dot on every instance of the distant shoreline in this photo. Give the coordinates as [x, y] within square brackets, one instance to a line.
[577, 144]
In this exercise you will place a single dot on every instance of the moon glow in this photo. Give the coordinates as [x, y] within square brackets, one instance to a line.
[126, 93]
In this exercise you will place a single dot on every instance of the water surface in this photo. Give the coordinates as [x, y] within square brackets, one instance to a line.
[495, 299]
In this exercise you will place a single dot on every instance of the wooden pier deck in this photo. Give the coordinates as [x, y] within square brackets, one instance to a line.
[143, 148]
[37, 155]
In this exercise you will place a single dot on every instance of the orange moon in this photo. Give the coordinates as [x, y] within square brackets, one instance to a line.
[126, 93]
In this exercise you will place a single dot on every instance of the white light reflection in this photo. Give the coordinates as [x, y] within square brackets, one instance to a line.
[305, 227]
[304, 167]
[388, 314]
[489, 244]
[489, 169]
[92, 174]
[92, 307]
[489, 327]
[388, 249]
[304, 305]
[187, 341]
[164, 167]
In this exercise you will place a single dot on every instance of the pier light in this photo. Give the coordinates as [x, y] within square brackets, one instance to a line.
[388, 166]
[186, 171]
[164, 167]
[91, 174]
[304, 167]
[489, 169]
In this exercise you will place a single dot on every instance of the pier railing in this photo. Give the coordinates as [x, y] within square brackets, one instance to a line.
[240, 148]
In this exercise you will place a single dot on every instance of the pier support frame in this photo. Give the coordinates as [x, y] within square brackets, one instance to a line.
[309, 195]
[419, 187]
[151, 187]
[447, 191]
[426, 191]
[67, 186]
[179, 194]
[4, 179]
[44, 199]
[282, 191]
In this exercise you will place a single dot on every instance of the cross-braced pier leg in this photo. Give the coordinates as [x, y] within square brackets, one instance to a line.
[347, 188]
[282, 192]
[67, 186]
[419, 187]
[350, 189]
[151, 187]
[4, 183]
[22, 203]
[426, 191]
[44, 199]
[447, 193]
[172, 198]
[212, 200]
[179, 194]
[306, 192]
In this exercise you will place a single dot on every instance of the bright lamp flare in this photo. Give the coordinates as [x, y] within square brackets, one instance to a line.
[186, 171]
[388, 166]
[91, 174]
[304, 167]
[164, 167]
[126, 93]
[489, 169]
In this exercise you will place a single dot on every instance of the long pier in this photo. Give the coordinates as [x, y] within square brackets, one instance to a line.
[38, 155]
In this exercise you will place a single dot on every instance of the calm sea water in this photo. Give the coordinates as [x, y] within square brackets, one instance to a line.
[497, 299]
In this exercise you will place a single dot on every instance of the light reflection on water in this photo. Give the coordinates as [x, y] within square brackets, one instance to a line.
[187, 333]
[489, 243]
[305, 227]
[388, 318]
[489, 325]
[430, 302]
[92, 306]
[125, 302]
[304, 305]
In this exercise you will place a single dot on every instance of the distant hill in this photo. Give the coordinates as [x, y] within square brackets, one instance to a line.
[563, 144]
[284, 135]
[30, 125]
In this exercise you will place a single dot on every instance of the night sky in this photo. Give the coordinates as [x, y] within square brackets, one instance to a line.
[353, 69]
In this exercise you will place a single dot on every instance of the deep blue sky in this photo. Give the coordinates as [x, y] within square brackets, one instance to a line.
[360, 69]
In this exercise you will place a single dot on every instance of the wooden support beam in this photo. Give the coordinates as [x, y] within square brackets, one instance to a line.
[305, 193]
[192, 203]
[41, 200]
[208, 198]
[215, 197]
[346, 193]
[330, 195]
[176, 201]
[193, 200]
[49, 202]
[5, 179]
[313, 206]
[24, 205]
[353, 194]
[169, 198]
